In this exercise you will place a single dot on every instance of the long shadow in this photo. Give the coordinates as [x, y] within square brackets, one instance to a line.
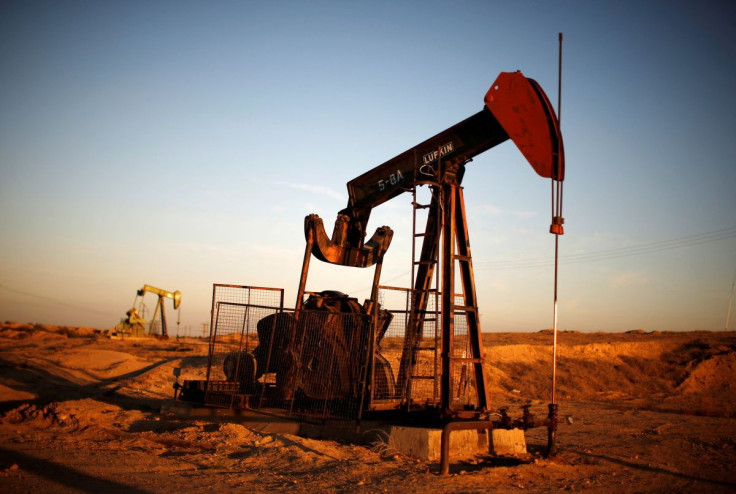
[130, 375]
[302, 447]
[64, 475]
[49, 387]
[648, 468]
[101, 383]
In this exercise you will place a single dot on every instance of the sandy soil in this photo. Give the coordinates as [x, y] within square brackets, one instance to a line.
[648, 412]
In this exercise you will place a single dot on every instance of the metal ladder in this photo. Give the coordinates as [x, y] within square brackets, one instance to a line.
[446, 225]
[419, 315]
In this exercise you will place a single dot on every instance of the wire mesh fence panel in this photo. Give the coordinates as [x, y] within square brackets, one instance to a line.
[315, 361]
[463, 391]
[236, 311]
[387, 358]
[329, 371]
[309, 362]
[410, 347]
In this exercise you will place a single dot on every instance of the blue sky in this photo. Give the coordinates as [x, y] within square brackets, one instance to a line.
[181, 144]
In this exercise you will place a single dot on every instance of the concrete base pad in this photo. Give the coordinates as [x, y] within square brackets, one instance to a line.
[419, 442]
[507, 442]
[424, 443]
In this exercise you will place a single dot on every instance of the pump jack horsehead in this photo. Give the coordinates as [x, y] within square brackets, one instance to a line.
[515, 108]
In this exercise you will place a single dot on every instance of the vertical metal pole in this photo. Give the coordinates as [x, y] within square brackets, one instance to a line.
[557, 218]
[213, 335]
[467, 278]
[164, 329]
[730, 300]
[290, 352]
[305, 271]
[267, 367]
[556, 212]
[554, 327]
[246, 318]
[370, 350]
[376, 280]
[448, 295]
[410, 305]
[559, 81]
[213, 319]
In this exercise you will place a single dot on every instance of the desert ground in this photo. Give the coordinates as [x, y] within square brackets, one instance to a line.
[642, 412]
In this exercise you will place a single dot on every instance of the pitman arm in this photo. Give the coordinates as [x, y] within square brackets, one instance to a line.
[515, 107]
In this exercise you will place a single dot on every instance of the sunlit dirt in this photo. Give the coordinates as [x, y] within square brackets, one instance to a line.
[640, 412]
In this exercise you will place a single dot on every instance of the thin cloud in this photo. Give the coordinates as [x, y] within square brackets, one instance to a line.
[496, 211]
[315, 189]
[628, 279]
[572, 304]
[490, 209]
[499, 286]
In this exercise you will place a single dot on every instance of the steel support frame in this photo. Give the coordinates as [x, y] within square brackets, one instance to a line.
[446, 227]
[456, 252]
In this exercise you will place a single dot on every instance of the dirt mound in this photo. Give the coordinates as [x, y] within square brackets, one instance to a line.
[714, 375]
[76, 414]
[16, 330]
[50, 414]
[651, 368]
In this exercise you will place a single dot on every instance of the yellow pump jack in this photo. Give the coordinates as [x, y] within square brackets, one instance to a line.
[134, 324]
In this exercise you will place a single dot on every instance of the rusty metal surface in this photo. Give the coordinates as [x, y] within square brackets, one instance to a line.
[310, 362]
[525, 113]
[461, 142]
[514, 107]
[236, 311]
[336, 250]
[332, 356]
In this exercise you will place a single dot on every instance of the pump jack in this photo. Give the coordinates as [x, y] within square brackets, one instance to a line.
[133, 324]
[515, 108]
[162, 294]
[326, 353]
